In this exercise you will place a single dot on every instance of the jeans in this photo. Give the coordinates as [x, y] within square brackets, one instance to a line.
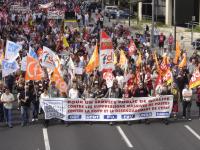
[186, 106]
[8, 116]
[24, 114]
[35, 109]
[1, 113]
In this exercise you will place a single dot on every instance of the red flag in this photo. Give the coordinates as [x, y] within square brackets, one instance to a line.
[106, 41]
[158, 82]
[106, 52]
[164, 66]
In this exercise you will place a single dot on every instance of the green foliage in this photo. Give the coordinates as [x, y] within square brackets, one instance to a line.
[196, 29]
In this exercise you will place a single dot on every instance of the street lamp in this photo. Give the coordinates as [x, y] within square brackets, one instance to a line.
[174, 24]
[152, 30]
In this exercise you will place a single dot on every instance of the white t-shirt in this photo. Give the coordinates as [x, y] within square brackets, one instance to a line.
[73, 93]
[42, 97]
[120, 80]
[7, 98]
[86, 17]
[187, 94]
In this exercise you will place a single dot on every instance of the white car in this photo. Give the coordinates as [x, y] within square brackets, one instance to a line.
[110, 9]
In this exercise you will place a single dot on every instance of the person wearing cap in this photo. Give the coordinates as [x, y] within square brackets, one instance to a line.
[187, 103]
[7, 99]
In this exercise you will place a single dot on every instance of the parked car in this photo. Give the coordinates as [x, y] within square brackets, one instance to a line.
[196, 44]
[110, 9]
[122, 14]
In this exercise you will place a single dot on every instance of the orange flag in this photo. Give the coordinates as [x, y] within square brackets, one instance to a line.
[164, 65]
[33, 70]
[195, 80]
[157, 64]
[60, 83]
[115, 59]
[178, 52]
[139, 60]
[168, 77]
[122, 59]
[183, 62]
[94, 61]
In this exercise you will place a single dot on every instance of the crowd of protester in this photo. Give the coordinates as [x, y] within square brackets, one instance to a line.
[34, 29]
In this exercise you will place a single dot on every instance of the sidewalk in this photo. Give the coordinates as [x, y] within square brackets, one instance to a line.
[180, 31]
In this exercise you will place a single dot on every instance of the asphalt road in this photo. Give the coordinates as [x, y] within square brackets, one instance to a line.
[178, 135]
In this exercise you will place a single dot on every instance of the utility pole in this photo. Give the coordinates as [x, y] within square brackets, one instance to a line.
[152, 30]
[174, 24]
[129, 18]
[102, 5]
[193, 20]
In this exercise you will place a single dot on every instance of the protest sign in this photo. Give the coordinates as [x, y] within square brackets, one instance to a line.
[56, 14]
[108, 109]
[9, 67]
[19, 8]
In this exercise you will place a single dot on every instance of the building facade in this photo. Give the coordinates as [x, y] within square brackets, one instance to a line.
[164, 11]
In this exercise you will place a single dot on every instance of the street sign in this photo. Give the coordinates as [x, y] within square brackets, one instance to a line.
[193, 18]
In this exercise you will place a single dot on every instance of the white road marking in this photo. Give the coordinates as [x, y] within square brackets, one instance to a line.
[193, 132]
[46, 139]
[124, 137]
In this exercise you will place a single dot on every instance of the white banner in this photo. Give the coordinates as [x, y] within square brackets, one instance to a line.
[108, 109]
[18, 8]
[46, 6]
[56, 14]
